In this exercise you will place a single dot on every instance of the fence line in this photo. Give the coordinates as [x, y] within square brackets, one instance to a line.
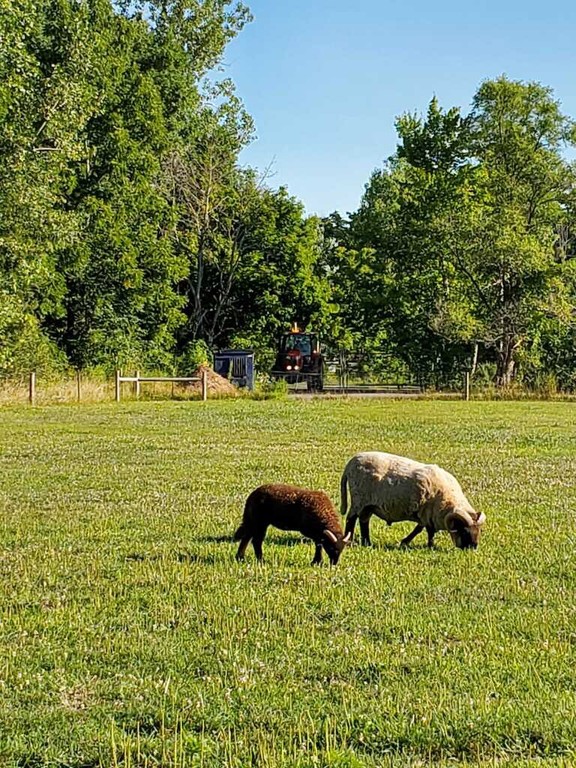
[137, 380]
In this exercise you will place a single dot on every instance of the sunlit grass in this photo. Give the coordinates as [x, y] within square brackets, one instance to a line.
[130, 636]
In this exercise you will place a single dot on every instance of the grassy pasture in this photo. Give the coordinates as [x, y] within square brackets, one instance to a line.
[130, 636]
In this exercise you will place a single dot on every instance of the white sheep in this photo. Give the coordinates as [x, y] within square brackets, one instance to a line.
[396, 489]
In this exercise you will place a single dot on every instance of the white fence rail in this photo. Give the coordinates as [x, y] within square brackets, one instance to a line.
[137, 380]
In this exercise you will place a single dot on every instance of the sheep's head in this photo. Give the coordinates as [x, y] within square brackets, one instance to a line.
[334, 544]
[464, 528]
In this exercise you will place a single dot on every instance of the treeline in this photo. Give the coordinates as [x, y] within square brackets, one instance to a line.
[130, 235]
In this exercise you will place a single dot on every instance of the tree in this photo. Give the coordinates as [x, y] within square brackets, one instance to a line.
[465, 223]
[522, 188]
[121, 304]
[210, 197]
[413, 299]
[283, 275]
[94, 94]
[41, 63]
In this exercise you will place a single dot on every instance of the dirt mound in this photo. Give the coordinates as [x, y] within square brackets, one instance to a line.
[217, 385]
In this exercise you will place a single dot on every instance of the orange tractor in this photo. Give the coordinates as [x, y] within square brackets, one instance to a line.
[299, 359]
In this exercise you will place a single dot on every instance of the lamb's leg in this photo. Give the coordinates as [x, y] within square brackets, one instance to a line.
[257, 540]
[431, 532]
[317, 555]
[242, 548]
[405, 541]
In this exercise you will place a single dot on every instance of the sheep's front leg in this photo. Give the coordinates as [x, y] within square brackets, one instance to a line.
[317, 555]
[350, 524]
[405, 541]
[430, 530]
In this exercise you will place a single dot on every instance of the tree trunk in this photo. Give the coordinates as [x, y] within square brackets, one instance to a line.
[474, 363]
[506, 364]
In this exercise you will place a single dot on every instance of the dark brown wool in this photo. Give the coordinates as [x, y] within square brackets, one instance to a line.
[291, 508]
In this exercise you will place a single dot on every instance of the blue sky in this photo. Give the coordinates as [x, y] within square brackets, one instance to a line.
[324, 80]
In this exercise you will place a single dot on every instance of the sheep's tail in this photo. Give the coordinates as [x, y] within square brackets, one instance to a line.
[343, 494]
[240, 533]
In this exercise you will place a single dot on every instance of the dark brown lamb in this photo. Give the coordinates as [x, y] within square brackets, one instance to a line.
[291, 509]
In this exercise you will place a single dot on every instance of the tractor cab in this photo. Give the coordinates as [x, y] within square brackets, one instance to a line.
[299, 359]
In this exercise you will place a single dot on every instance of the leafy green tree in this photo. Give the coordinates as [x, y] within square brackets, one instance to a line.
[523, 183]
[93, 95]
[283, 278]
[40, 63]
[120, 302]
[412, 299]
[254, 258]
[461, 233]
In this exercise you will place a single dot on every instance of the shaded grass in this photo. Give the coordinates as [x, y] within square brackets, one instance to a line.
[129, 636]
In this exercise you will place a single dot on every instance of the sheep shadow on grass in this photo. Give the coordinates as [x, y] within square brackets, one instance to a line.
[395, 546]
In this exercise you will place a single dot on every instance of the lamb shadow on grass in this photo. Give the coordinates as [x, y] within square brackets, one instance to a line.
[223, 538]
[139, 557]
[283, 541]
[207, 558]
[182, 557]
[210, 558]
[386, 546]
[293, 540]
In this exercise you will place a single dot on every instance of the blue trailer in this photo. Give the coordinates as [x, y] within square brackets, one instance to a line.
[237, 365]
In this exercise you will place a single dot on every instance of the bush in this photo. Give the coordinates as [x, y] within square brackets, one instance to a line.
[197, 353]
[266, 388]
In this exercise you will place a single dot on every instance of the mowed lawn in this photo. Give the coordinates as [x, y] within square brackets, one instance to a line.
[130, 636]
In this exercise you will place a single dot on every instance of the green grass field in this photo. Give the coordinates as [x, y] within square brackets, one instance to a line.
[130, 636]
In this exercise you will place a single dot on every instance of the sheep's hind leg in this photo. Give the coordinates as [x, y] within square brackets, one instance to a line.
[242, 548]
[405, 541]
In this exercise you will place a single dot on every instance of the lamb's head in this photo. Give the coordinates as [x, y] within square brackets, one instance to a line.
[464, 527]
[334, 544]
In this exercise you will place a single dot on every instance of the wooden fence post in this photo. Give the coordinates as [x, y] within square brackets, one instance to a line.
[78, 385]
[32, 388]
[137, 384]
[467, 385]
[204, 385]
[117, 386]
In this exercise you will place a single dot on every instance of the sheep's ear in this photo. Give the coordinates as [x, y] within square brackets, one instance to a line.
[348, 538]
[330, 535]
[481, 519]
